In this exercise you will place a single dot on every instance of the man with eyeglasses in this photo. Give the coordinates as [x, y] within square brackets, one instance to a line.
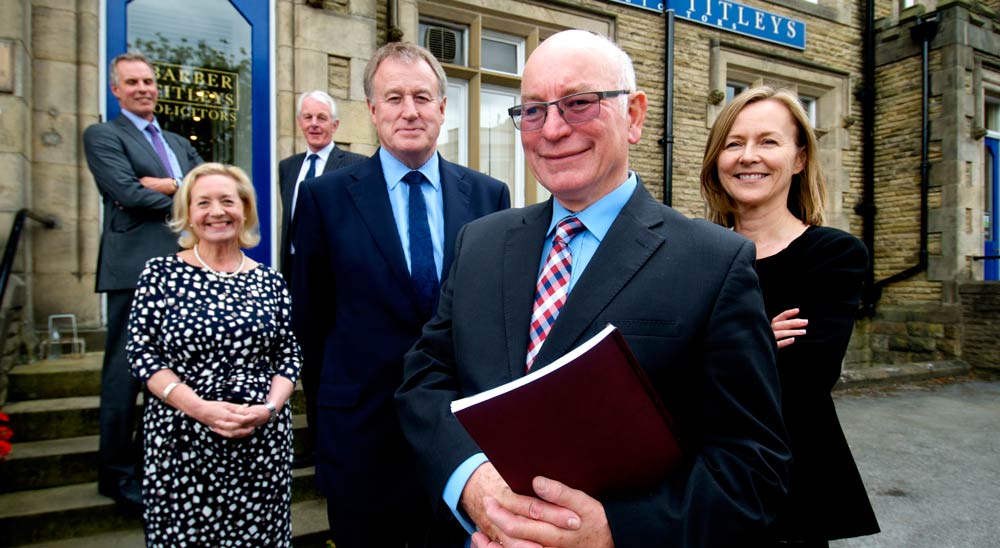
[683, 292]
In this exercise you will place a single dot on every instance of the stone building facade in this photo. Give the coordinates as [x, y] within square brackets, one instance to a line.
[55, 86]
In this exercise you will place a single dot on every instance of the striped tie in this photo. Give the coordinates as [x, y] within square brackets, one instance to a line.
[553, 285]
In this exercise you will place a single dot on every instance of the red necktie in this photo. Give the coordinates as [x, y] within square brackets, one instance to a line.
[553, 285]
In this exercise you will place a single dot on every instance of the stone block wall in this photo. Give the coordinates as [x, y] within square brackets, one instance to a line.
[981, 322]
[916, 333]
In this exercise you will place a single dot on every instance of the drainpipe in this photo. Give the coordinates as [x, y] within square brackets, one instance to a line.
[923, 32]
[866, 209]
[667, 141]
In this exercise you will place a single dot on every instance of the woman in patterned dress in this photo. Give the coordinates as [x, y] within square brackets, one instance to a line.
[210, 337]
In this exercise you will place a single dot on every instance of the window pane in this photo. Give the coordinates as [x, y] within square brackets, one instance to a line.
[454, 137]
[992, 114]
[498, 146]
[810, 105]
[733, 89]
[499, 56]
[203, 72]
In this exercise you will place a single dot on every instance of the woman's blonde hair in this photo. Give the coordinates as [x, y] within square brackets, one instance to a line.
[807, 194]
[181, 218]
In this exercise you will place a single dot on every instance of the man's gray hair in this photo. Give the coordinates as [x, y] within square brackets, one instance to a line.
[322, 97]
[129, 56]
[406, 53]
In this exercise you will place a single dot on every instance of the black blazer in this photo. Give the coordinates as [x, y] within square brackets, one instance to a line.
[827, 499]
[288, 172]
[356, 312]
[135, 228]
[685, 295]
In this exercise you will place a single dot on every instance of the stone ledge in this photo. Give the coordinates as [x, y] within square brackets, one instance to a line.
[897, 374]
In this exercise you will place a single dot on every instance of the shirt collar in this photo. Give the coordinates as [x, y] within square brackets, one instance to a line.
[602, 213]
[139, 122]
[323, 153]
[394, 170]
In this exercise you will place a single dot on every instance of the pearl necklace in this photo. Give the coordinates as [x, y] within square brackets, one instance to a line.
[239, 269]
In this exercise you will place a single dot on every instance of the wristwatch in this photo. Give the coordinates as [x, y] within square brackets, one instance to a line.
[272, 410]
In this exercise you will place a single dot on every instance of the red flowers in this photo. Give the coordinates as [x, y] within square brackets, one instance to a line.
[5, 435]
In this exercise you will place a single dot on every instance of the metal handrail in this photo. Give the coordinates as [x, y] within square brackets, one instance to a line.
[986, 257]
[14, 238]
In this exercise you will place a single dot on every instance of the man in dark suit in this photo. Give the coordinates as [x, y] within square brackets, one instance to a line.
[683, 293]
[316, 113]
[372, 242]
[137, 168]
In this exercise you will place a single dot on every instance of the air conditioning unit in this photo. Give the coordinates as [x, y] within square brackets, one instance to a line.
[443, 43]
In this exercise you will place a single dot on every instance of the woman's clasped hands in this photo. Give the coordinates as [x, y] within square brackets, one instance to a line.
[231, 420]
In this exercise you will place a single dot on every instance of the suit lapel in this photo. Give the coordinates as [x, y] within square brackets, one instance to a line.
[367, 189]
[455, 190]
[521, 257]
[132, 132]
[287, 193]
[625, 249]
[334, 160]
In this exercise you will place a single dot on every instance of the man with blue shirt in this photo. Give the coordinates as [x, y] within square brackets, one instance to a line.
[137, 167]
[373, 242]
[528, 285]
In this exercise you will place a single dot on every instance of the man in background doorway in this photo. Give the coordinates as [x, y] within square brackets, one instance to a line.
[137, 167]
[316, 113]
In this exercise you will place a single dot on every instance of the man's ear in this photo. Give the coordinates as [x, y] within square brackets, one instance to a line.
[636, 115]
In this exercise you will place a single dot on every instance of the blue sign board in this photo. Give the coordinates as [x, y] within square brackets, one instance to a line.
[735, 17]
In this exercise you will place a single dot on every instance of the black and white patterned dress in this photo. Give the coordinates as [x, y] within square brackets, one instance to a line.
[225, 338]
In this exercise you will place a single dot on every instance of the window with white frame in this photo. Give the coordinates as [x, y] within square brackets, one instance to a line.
[502, 53]
[733, 89]
[500, 153]
[809, 103]
[483, 82]
[482, 47]
[992, 114]
[453, 141]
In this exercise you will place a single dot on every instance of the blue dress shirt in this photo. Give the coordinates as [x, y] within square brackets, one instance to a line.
[399, 198]
[140, 124]
[598, 219]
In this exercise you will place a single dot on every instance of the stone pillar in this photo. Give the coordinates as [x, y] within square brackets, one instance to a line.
[15, 126]
[64, 77]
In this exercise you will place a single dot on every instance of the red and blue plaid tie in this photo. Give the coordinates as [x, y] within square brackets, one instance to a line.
[553, 285]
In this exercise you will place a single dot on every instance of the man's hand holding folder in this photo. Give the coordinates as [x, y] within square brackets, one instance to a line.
[590, 420]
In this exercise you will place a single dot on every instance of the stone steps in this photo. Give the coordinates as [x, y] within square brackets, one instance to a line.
[48, 489]
[75, 515]
[62, 378]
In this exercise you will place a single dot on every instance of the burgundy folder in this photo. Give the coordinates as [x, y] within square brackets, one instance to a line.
[590, 419]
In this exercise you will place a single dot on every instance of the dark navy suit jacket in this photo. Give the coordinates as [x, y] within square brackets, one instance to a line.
[356, 312]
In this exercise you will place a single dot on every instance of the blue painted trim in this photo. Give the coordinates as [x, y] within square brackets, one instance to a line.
[257, 14]
[991, 268]
[651, 5]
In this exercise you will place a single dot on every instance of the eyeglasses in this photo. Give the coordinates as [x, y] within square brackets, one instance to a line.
[575, 108]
